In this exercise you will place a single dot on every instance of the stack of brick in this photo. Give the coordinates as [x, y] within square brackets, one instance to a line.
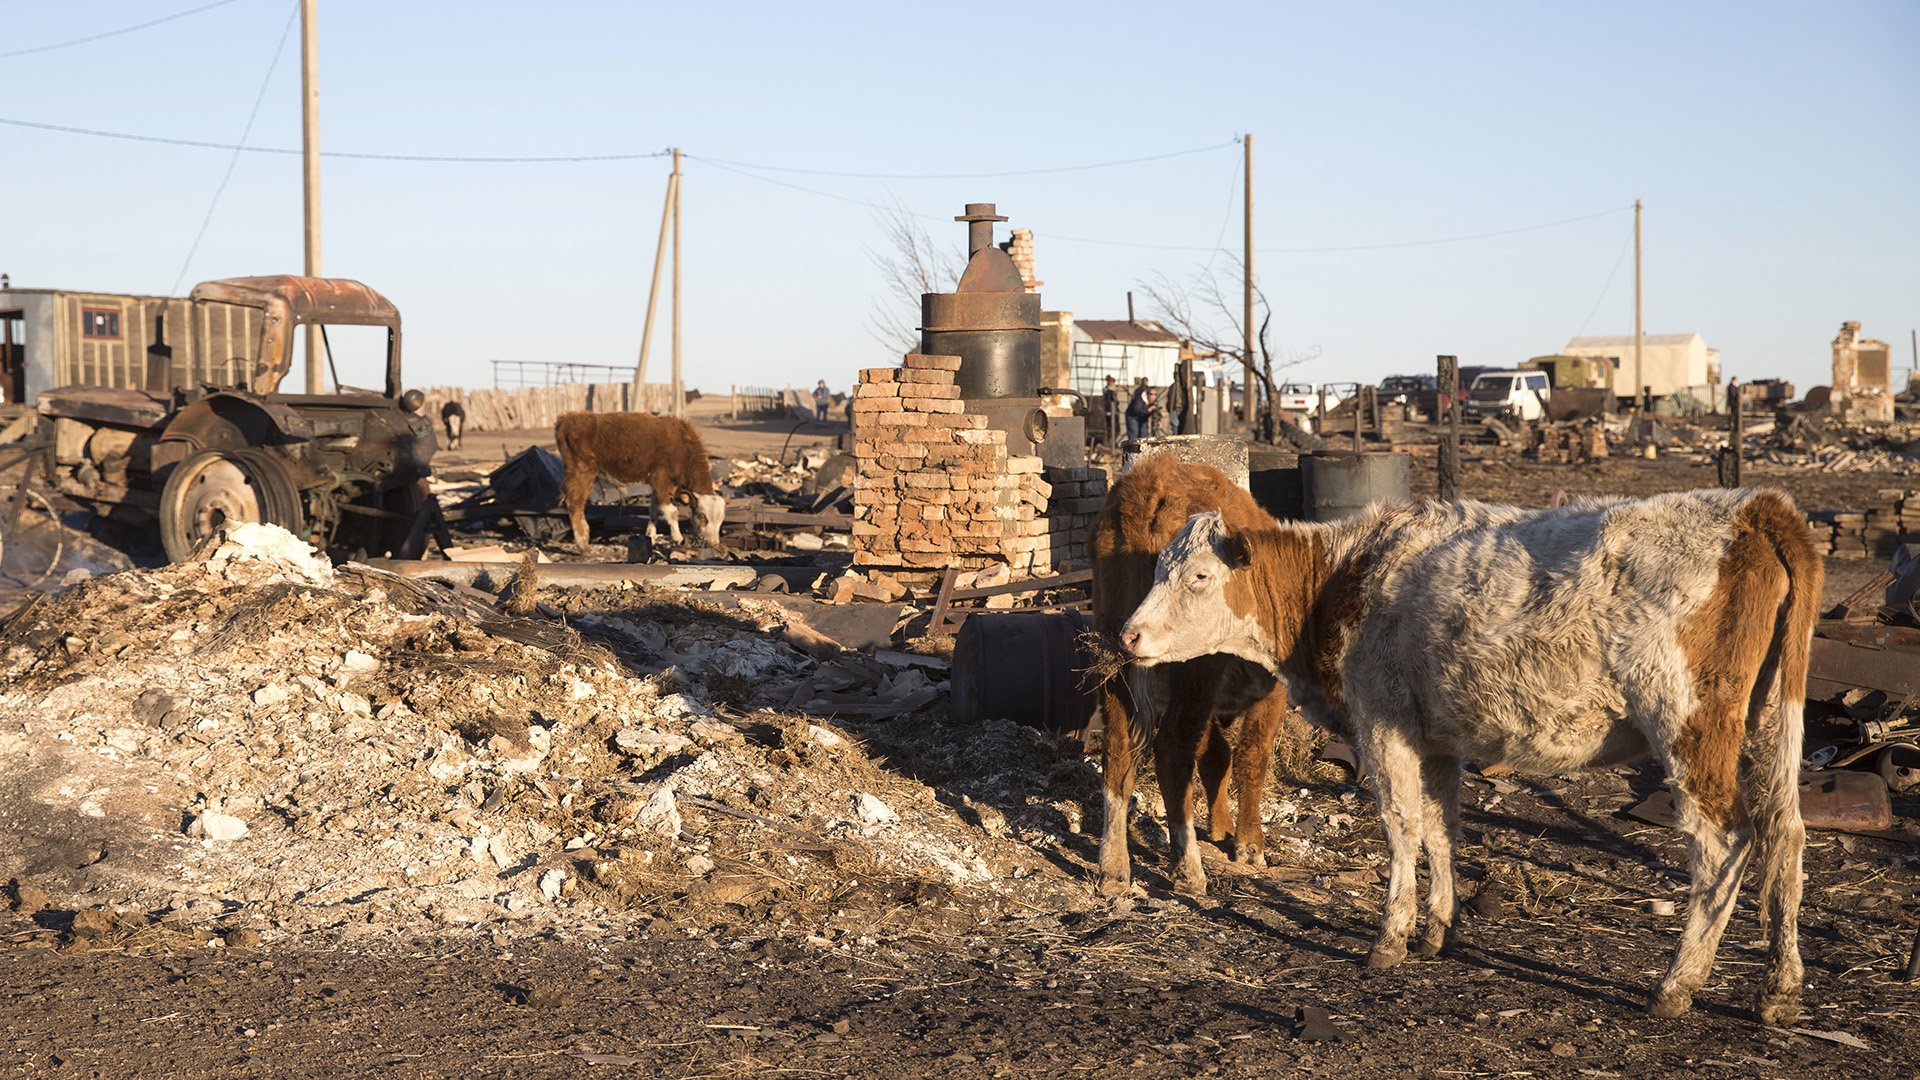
[936, 487]
[1071, 509]
[1893, 519]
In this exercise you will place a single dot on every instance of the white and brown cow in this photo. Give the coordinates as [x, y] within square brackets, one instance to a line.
[1589, 634]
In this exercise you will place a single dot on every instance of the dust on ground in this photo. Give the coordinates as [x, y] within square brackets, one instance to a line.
[285, 817]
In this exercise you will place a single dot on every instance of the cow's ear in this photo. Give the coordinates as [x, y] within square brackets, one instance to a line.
[684, 498]
[1234, 550]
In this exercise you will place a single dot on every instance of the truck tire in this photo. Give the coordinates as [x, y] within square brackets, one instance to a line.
[216, 487]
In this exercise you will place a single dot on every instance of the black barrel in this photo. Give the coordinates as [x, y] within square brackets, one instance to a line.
[1273, 476]
[996, 335]
[1335, 484]
[1023, 666]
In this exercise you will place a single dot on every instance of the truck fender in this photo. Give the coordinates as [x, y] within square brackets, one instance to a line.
[228, 420]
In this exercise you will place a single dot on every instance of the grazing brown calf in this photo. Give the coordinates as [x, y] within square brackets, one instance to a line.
[1587, 634]
[1218, 711]
[663, 452]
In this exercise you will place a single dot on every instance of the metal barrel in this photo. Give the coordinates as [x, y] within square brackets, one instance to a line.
[1273, 476]
[1228, 453]
[1023, 666]
[1336, 484]
[996, 335]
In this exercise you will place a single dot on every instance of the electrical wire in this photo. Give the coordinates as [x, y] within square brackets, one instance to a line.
[823, 194]
[1608, 287]
[1346, 247]
[968, 175]
[234, 160]
[115, 33]
[204, 145]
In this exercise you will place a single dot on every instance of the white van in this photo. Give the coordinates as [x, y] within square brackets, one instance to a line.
[1521, 395]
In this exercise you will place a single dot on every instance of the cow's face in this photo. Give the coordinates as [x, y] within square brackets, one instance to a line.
[708, 511]
[1187, 613]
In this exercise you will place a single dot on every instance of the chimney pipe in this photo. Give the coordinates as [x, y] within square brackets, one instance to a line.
[1130, 305]
[979, 217]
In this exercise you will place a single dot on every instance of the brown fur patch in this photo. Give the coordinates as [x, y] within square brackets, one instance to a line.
[1731, 641]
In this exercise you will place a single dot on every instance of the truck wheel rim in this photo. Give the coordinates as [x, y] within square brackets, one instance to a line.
[220, 492]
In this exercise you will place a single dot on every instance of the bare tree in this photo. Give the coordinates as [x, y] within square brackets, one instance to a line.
[910, 263]
[1199, 307]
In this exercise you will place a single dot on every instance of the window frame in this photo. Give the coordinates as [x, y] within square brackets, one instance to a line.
[86, 323]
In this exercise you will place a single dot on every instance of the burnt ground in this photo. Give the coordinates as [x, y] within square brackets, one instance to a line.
[1549, 977]
[852, 971]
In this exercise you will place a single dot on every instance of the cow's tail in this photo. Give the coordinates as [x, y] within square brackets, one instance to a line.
[1779, 835]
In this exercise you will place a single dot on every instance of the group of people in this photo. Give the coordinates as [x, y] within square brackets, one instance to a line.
[1146, 413]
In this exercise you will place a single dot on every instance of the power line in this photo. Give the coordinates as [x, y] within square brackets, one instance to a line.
[967, 175]
[1347, 247]
[445, 158]
[115, 33]
[823, 194]
[1608, 287]
[258, 98]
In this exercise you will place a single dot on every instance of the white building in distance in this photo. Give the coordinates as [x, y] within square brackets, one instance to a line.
[1670, 364]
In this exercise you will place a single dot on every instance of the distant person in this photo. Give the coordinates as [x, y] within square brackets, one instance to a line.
[1139, 409]
[1156, 416]
[1178, 397]
[822, 400]
[1110, 409]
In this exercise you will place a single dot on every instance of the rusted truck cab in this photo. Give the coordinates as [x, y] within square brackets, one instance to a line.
[209, 438]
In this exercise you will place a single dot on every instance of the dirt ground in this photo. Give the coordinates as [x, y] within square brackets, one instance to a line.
[658, 841]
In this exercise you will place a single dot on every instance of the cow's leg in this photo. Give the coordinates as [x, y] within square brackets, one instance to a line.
[1395, 766]
[1175, 746]
[1440, 800]
[1770, 777]
[1216, 759]
[576, 483]
[1116, 769]
[1252, 770]
[1716, 856]
[670, 511]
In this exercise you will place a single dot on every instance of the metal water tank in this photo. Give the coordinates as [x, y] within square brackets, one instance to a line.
[989, 320]
[1336, 484]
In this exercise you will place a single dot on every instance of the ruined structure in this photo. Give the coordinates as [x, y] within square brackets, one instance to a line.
[938, 487]
[1862, 378]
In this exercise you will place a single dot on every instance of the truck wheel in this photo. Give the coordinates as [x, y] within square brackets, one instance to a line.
[214, 487]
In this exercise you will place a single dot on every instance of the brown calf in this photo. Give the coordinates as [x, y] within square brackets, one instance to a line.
[663, 452]
[1218, 711]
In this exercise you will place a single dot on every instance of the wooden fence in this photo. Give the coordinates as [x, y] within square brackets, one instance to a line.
[540, 406]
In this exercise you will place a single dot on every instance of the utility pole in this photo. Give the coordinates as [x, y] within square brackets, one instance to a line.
[1639, 328]
[1246, 150]
[653, 293]
[310, 159]
[679, 407]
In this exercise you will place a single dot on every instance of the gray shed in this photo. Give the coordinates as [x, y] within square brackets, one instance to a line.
[61, 337]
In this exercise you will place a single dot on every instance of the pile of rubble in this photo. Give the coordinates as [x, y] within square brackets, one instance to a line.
[262, 740]
[1809, 440]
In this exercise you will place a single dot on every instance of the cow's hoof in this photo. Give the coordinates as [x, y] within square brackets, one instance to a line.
[1778, 1010]
[1192, 883]
[1670, 1003]
[1384, 956]
[1432, 943]
[1254, 857]
[1112, 885]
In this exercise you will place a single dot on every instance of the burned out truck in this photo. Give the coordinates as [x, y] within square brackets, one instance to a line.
[170, 411]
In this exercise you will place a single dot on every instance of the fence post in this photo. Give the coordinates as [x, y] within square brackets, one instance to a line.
[1447, 404]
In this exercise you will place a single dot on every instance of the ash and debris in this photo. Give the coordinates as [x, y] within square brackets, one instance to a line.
[260, 740]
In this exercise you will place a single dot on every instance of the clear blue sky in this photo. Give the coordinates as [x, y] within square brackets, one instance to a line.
[1774, 144]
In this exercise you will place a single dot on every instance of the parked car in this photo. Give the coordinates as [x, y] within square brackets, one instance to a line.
[1518, 395]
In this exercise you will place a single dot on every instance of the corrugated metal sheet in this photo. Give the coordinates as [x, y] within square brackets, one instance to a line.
[1143, 331]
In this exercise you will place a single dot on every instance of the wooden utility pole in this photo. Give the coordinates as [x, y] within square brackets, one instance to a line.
[310, 160]
[1639, 328]
[1246, 148]
[1447, 404]
[679, 407]
[653, 293]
